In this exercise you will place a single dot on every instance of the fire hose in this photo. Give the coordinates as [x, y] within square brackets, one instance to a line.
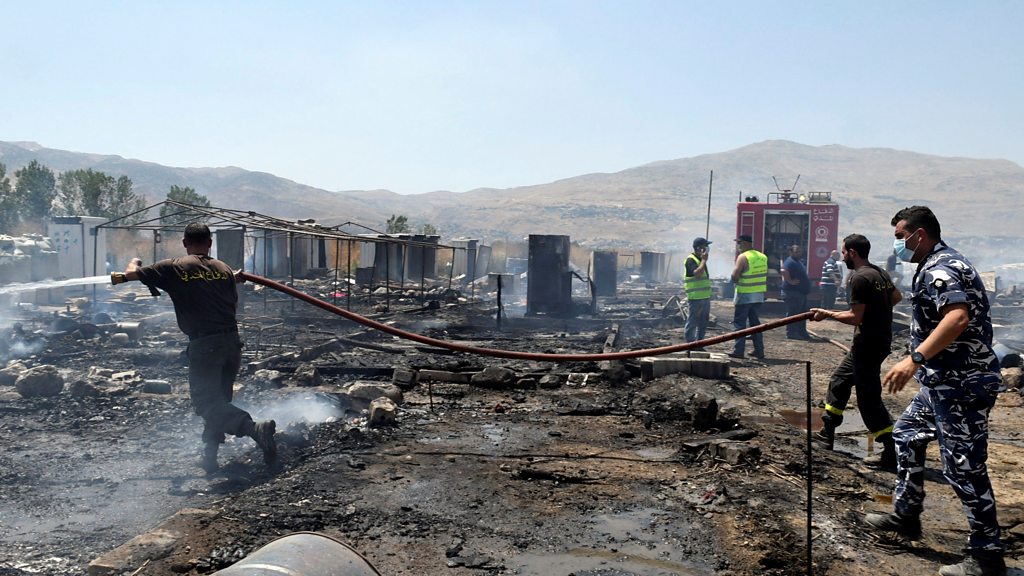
[522, 355]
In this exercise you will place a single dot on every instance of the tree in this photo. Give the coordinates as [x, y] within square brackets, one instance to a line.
[8, 203]
[429, 230]
[93, 193]
[171, 215]
[36, 189]
[397, 225]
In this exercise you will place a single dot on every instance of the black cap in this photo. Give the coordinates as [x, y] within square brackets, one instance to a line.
[698, 242]
[745, 238]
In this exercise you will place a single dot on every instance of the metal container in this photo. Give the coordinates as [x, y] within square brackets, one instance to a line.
[302, 554]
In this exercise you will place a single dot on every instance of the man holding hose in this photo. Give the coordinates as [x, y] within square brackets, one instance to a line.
[205, 297]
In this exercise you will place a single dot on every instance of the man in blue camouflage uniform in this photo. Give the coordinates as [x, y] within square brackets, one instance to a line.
[953, 359]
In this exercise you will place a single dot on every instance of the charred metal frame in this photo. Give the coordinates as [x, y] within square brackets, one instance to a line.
[270, 227]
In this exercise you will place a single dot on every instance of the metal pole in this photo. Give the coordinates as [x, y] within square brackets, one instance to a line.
[499, 301]
[423, 273]
[348, 276]
[810, 471]
[451, 269]
[707, 225]
[291, 263]
[387, 276]
[337, 264]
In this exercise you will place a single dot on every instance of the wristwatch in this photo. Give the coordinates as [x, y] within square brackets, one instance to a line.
[917, 357]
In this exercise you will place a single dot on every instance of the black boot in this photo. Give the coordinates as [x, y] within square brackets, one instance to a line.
[908, 527]
[826, 437]
[263, 434]
[886, 459]
[209, 462]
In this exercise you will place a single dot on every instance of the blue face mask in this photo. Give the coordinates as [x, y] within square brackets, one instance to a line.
[899, 246]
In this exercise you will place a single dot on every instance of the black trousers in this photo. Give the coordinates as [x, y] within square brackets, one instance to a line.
[860, 370]
[213, 363]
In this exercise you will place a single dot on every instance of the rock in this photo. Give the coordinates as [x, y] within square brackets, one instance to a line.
[40, 381]
[366, 390]
[550, 381]
[306, 375]
[10, 374]
[120, 339]
[704, 410]
[527, 383]
[404, 378]
[97, 373]
[494, 377]
[274, 377]
[383, 412]
[82, 389]
[729, 418]
[578, 379]
[1011, 378]
[735, 452]
[614, 371]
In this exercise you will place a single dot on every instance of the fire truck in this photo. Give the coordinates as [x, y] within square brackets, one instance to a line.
[809, 220]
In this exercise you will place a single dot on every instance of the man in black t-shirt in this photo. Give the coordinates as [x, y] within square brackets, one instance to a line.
[872, 296]
[205, 296]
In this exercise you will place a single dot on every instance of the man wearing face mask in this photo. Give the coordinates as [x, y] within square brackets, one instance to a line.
[872, 296]
[953, 359]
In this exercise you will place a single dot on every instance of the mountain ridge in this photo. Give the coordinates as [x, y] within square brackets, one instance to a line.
[660, 205]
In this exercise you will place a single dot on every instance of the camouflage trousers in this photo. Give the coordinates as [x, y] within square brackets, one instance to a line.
[958, 420]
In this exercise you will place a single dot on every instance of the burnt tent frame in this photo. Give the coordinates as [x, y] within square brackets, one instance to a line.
[255, 227]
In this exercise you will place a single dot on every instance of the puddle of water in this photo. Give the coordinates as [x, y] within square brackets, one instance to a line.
[655, 453]
[631, 543]
[494, 433]
[583, 561]
[851, 436]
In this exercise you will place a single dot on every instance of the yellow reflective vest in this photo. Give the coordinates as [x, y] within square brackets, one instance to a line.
[755, 277]
[697, 287]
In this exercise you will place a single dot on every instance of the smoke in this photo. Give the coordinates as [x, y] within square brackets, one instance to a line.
[296, 409]
[21, 349]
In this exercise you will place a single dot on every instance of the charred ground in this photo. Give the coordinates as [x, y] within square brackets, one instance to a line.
[576, 468]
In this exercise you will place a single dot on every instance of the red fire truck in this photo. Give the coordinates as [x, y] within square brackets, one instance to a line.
[809, 220]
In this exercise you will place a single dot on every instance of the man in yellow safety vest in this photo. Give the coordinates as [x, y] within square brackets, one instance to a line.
[697, 282]
[750, 275]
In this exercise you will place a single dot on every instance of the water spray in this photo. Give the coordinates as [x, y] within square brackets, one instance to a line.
[45, 284]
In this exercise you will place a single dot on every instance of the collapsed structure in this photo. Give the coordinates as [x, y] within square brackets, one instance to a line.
[677, 463]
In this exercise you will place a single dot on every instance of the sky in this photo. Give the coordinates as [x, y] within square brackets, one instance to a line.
[443, 95]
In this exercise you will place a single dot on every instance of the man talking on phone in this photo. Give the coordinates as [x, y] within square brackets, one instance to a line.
[697, 282]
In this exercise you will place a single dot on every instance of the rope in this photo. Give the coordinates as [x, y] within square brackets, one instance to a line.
[521, 355]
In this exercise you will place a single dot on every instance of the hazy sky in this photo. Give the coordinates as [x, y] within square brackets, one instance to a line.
[416, 96]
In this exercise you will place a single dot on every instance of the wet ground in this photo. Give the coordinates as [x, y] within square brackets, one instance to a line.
[602, 473]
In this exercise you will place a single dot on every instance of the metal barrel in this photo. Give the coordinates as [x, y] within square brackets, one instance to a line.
[302, 554]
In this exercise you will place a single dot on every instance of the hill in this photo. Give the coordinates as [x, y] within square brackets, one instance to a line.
[657, 206]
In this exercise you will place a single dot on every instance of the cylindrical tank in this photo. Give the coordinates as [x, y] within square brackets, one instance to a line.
[302, 554]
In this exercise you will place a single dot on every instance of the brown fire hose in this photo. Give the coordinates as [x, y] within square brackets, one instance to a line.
[522, 355]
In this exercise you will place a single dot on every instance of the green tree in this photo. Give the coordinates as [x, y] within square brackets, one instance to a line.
[397, 225]
[36, 189]
[8, 203]
[93, 193]
[171, 215]
[429, 230]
